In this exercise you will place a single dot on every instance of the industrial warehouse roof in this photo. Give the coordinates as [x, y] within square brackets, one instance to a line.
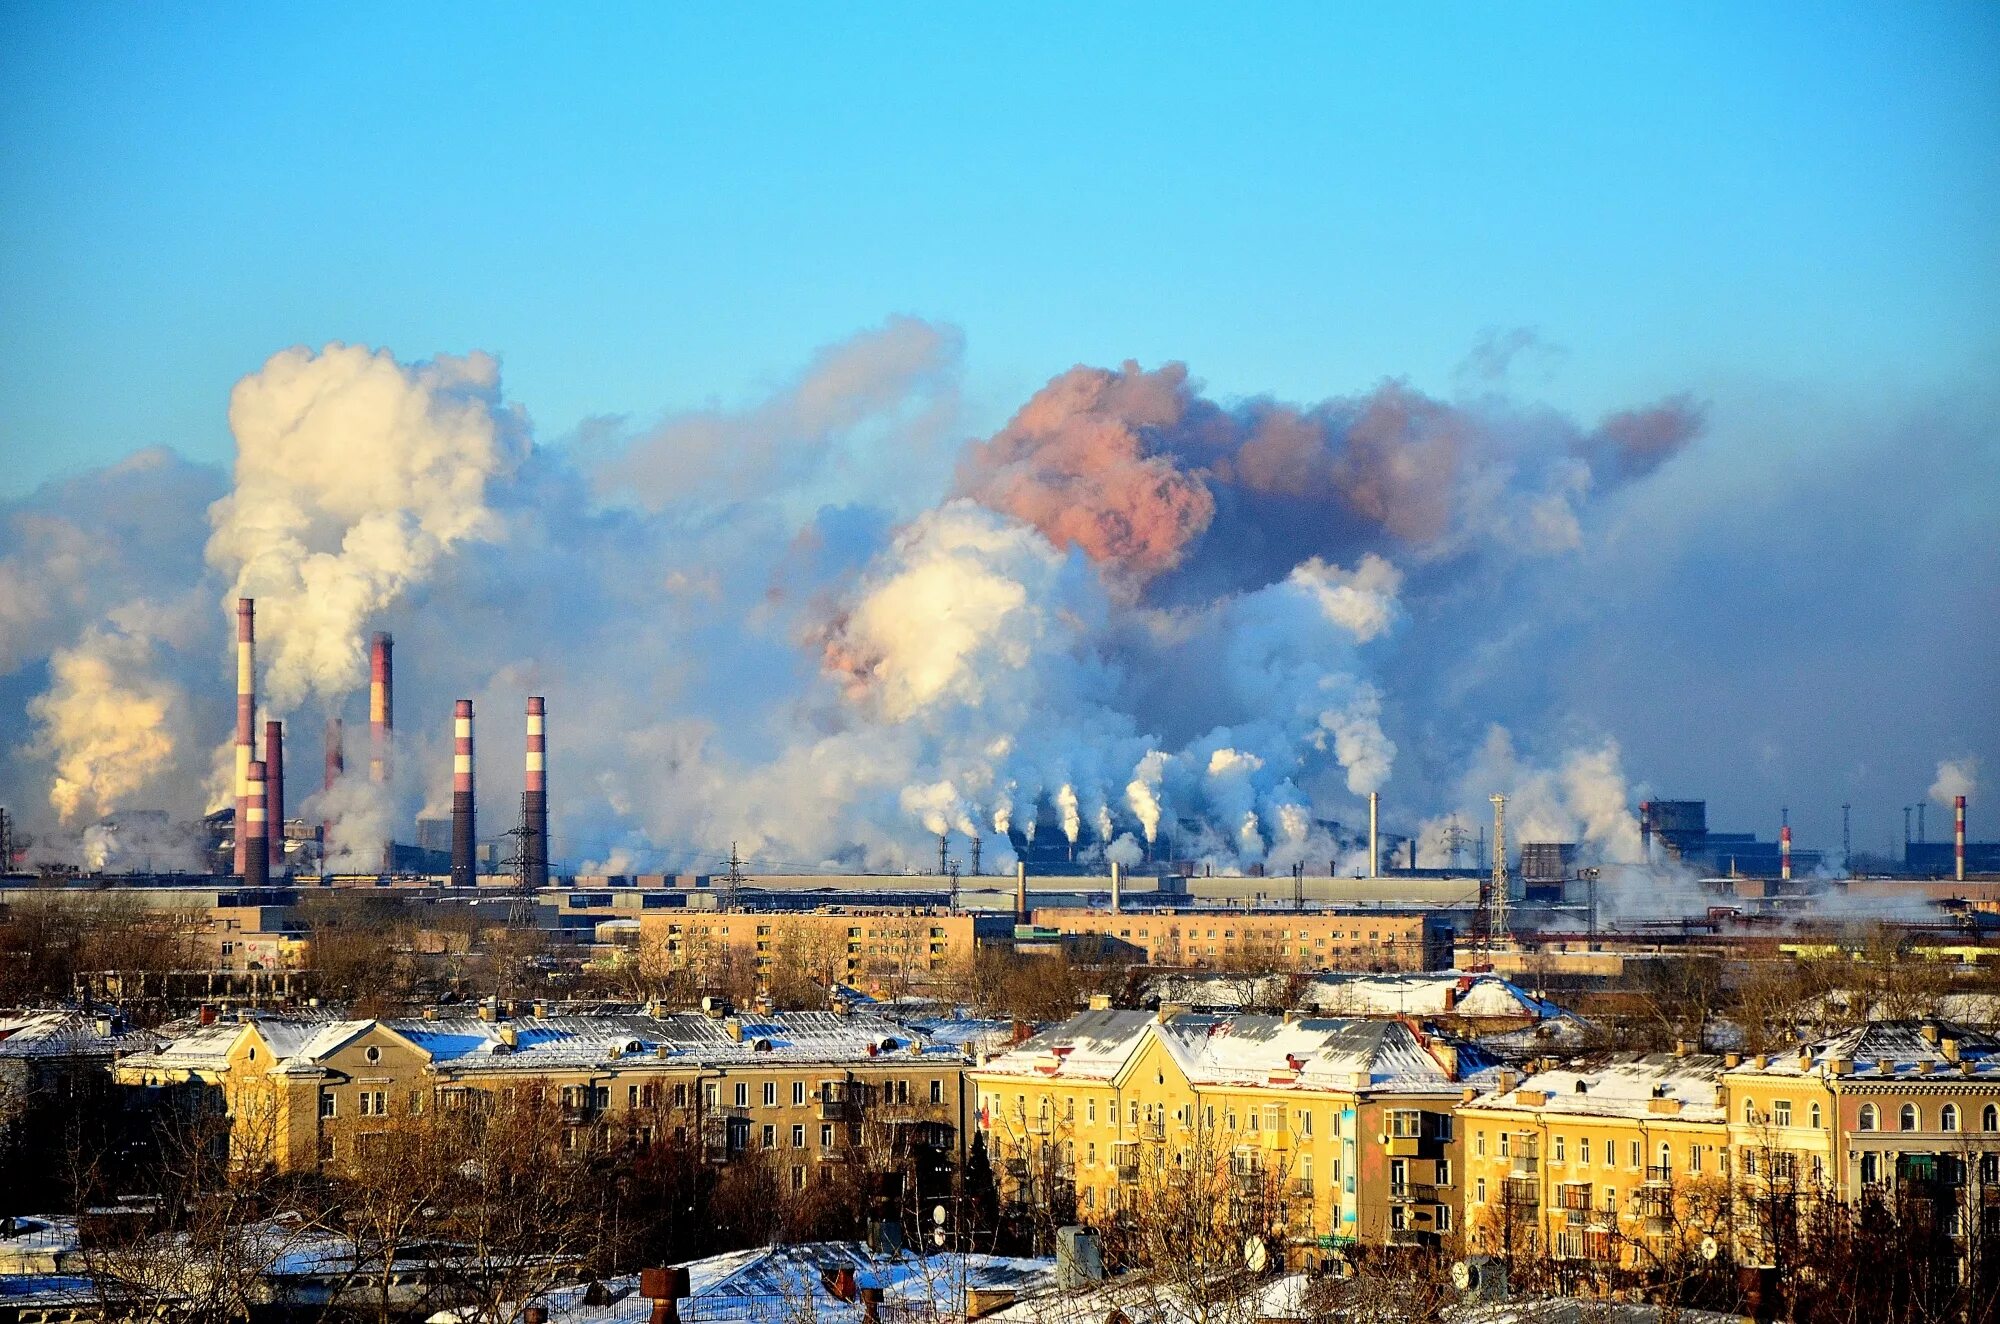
[1911, 1050]
[1305, 1053]
[1622, 1085]
[561, 1043]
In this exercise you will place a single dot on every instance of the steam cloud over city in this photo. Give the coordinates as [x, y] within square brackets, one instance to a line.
[827, 626]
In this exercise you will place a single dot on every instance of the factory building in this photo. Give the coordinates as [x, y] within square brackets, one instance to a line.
[863, 946]
[1678, 830]
[1317, 939]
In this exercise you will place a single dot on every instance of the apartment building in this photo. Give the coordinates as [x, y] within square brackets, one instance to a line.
[1893, 1110]
[806, 1089]
[1375, 940]
[878, 948]
[1341, 1130]
[1612, 1161]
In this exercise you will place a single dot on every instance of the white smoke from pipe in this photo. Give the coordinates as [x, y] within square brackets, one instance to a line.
[355, 475]
[106, 723]
[1955, 777]
[1142, 793]
[1067, 811]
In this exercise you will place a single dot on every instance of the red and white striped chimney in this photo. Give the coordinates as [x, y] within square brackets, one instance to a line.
[274, 794]
[1785, 851]
[462, 872]
[1958, 833]
[382, 725]
[336, 766]
[246, 719]
[257, 862]
[535, 798]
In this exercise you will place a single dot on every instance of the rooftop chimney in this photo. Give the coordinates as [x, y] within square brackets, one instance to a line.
[246, 719]
[1958, 833]
[1785, 852]
[257, 859]
[381, 724]
[535, 799]
[274, 794]
[1374, 834]
[461, 796]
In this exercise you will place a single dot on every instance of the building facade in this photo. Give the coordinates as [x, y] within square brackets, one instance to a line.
[880, 948]
[1376, 940]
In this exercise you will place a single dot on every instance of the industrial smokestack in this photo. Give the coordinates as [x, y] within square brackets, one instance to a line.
[1785, 851]
[1020, 891]
[461, 796]
[535, 799]
[246, 719]
[336, 765]
[257, 860]
[1646, 831]
[1958, 833]
[1374, 833]
[1116, 879]
[274, 795]
[382, 725]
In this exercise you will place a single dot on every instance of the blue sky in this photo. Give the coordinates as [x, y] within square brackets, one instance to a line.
[649, 207]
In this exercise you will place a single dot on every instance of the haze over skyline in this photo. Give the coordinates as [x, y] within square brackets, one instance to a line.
[1653, 352]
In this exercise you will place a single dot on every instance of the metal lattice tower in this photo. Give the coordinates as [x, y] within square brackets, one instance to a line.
[521, 863]
[1497, 931]
[733, 880]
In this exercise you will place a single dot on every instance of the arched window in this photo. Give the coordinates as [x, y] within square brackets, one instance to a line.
[1666, 1156]
[1948, 1119]
[1749, 1112]
[1989, 1120]
[1813, 1114]
[1867, 1122]
[1908, 1117]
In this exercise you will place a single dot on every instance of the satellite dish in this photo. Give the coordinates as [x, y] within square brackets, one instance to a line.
[937, 1214]
[1464, 1277]
[1255, 1256]
[1710, 1248]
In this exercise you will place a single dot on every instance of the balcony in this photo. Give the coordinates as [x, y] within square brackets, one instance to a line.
[1412, 1192]
[1521, 1192]
[1410, 1236]
[1659, 1175]
[1302, 1188]
[839, 1108]
[1128, 1172]
[1279, 1139]
[1573, 1197]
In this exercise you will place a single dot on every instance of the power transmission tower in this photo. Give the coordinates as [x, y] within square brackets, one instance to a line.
[520, 863]
[732, 882]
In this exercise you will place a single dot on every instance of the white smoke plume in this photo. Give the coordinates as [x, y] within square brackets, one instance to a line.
[1955, 777]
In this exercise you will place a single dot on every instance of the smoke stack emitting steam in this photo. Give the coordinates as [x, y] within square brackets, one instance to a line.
[461, 796]
[257, 859]
[246, 720]
[274, 796]
[1958, 834]
[535, 800]
[381, 724]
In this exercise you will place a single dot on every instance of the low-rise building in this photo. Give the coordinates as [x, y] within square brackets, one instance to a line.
[1613, 1161]
[805, 1089]
[882, 948]
[1267, 940]
[1341, 1130]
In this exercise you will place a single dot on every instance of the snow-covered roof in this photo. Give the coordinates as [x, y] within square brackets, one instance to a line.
[1912, 1050]
[1622, 1085]
[64, 1032]
[1308, 1053]
[790, 1282]
[562, 1043]
[1433, 993]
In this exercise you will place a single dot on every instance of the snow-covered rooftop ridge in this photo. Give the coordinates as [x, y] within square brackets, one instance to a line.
[66, 1032]
[1621, 1085]
[1429, 993]
[1910, 1048]
[1278, 1051]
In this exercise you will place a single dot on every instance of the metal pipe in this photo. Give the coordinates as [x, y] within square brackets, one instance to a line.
[462, 836]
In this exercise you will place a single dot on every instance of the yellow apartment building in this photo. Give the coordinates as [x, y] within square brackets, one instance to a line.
[1340, 1130]
[1618, 1161]
[879, 948]
[1268, 939]
[801, 1090]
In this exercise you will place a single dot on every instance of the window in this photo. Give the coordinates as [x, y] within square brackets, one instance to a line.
[1479, 1189]
[1948, 1119]
[798, 1137]
[742, 1094]
[1908, 1119]
[937, 1096]
[1871, 1169]
[1561, 1149]
[1479, 1143]
[1989, 1118]
[1443, 1172]
[770, 1094]
[631, 1096]
[1090, 1111]
[373, 1054]
[1583, 1151]
[1503, 1144]
[1819, 1169]
[1694, 1157]
[826, 1136]
[1867, 1119]
[326, 1104]
[1666, 1156]
[1812, 1116]
[1749, 1112]
[374, 1103]
[798, 1093]
[1635, 1153]
[1781, 1112]
[1444, 1218]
